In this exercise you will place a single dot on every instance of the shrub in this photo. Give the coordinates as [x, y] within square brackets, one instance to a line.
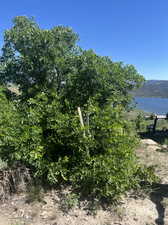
[10, 127]
[99, 158]
[42, 129]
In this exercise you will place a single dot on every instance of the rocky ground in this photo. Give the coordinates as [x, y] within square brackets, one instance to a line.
[52, 208]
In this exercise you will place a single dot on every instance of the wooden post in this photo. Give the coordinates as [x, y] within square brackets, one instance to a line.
[156, 118]
[80, 117]
[154, 125]
[81, 120]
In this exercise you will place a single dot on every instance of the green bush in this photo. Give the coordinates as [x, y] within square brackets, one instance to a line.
[10, 127]
[40, 126]
[99, 158]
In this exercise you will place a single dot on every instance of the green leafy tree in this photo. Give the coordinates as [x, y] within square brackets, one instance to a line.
[98, 77]
[34, 58]
[41, 127]
[40, 60]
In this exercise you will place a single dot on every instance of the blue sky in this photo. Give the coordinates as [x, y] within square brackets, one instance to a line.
[132, 31]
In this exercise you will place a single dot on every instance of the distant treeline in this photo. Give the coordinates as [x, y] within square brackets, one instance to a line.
[153, 88]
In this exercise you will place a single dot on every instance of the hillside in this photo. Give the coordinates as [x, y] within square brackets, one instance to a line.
[153, 88]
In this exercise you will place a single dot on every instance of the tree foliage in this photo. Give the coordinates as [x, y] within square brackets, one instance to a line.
[34, 58]
[41, 126]
[39, 60]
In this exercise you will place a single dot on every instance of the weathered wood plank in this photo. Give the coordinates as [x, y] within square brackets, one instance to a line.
[161, 116]
[157, 116]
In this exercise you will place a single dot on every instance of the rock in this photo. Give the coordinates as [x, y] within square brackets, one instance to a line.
[44, 214]
[149, 142]
[164, 146]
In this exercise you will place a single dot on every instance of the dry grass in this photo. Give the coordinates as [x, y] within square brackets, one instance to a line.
[13, 180]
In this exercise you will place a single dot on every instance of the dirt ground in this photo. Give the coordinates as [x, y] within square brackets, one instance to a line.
[52, 208]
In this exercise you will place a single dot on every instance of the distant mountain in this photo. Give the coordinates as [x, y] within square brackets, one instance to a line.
[153, 88]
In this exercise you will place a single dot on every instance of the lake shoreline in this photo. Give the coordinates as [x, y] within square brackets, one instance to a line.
[152, 104]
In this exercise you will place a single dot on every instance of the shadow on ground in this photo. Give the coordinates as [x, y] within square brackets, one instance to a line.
[159, 136]
[160, 191]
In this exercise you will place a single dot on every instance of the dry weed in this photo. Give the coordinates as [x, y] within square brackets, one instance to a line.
[13, 180]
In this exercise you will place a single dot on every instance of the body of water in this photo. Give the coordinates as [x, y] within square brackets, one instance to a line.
[153, 105]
